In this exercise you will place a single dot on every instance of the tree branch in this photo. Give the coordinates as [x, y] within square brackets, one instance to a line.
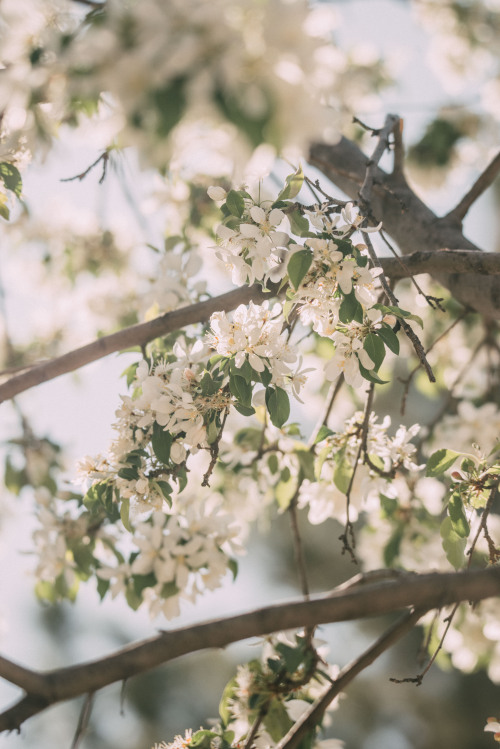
[313, 715]
[22, 677]
[408, 220]
[136, 335]
[391, 122]
[373, 599]
[454, 261]
[480, 185]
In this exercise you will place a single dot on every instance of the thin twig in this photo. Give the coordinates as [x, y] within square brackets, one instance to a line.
[372, 130]
[407, 380]
[104, 157]
[410, 333]
[439, 414]
[418, 679]
[480, 185]
[391, 121]
[314, 714]
[432, 301]
[256, 725]
[214, 450]
[83, 720]
[298, 548]
[348, 538]
[330, 400]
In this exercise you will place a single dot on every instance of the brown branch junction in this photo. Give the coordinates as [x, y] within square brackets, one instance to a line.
[423, 592]
[435, 262]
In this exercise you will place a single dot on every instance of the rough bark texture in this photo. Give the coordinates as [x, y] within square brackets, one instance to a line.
[408, 220]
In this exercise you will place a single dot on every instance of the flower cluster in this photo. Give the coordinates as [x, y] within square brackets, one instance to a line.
[254, 249]
[343, 467]
[280, 686]
[177, 556]
[255, 334]
[332, 288]
[228, 62]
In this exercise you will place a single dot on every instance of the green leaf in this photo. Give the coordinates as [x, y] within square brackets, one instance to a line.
[391, 549]
[99, 498]
[102, 587]
[278, 405]
[298, 265]
[235, 203]
[287, 308]
[11, 178]
[162, 442]
[202, 739]
[14, 478]
[134, 457]
[208, 385]
[182, 478]
[298, 224]
[293, 185]
[440, 461]
[244, 410]
[4, 208]
[265, 377]
[402, 314]
[350, 309]
[388, 505]
[306, 461]
[249, 438]
[165, 489]
[143, 581]
[125, 514]
[324, 453]
[457, 515]
[293, 657]
[241, 390]
[389, 337]
[133, 599]
[129, 473]
[453, 544]
[233, 567]
[273, 463]
[323, 433]
[285, 491]
[416, 319]
[374, 347]
[168, 590]
[246, 371]
[253, 125]
[276, 721]
[227, 696]
[343, 473]
[467, 465]
[371, 376]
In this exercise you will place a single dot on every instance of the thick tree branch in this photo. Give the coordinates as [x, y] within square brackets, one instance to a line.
[373, 599]
[454, 261]
[22, 677]
[408, 220]
[480, 185]
[136, 335]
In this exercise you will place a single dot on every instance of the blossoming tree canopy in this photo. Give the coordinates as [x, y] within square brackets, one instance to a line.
[284, 348]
